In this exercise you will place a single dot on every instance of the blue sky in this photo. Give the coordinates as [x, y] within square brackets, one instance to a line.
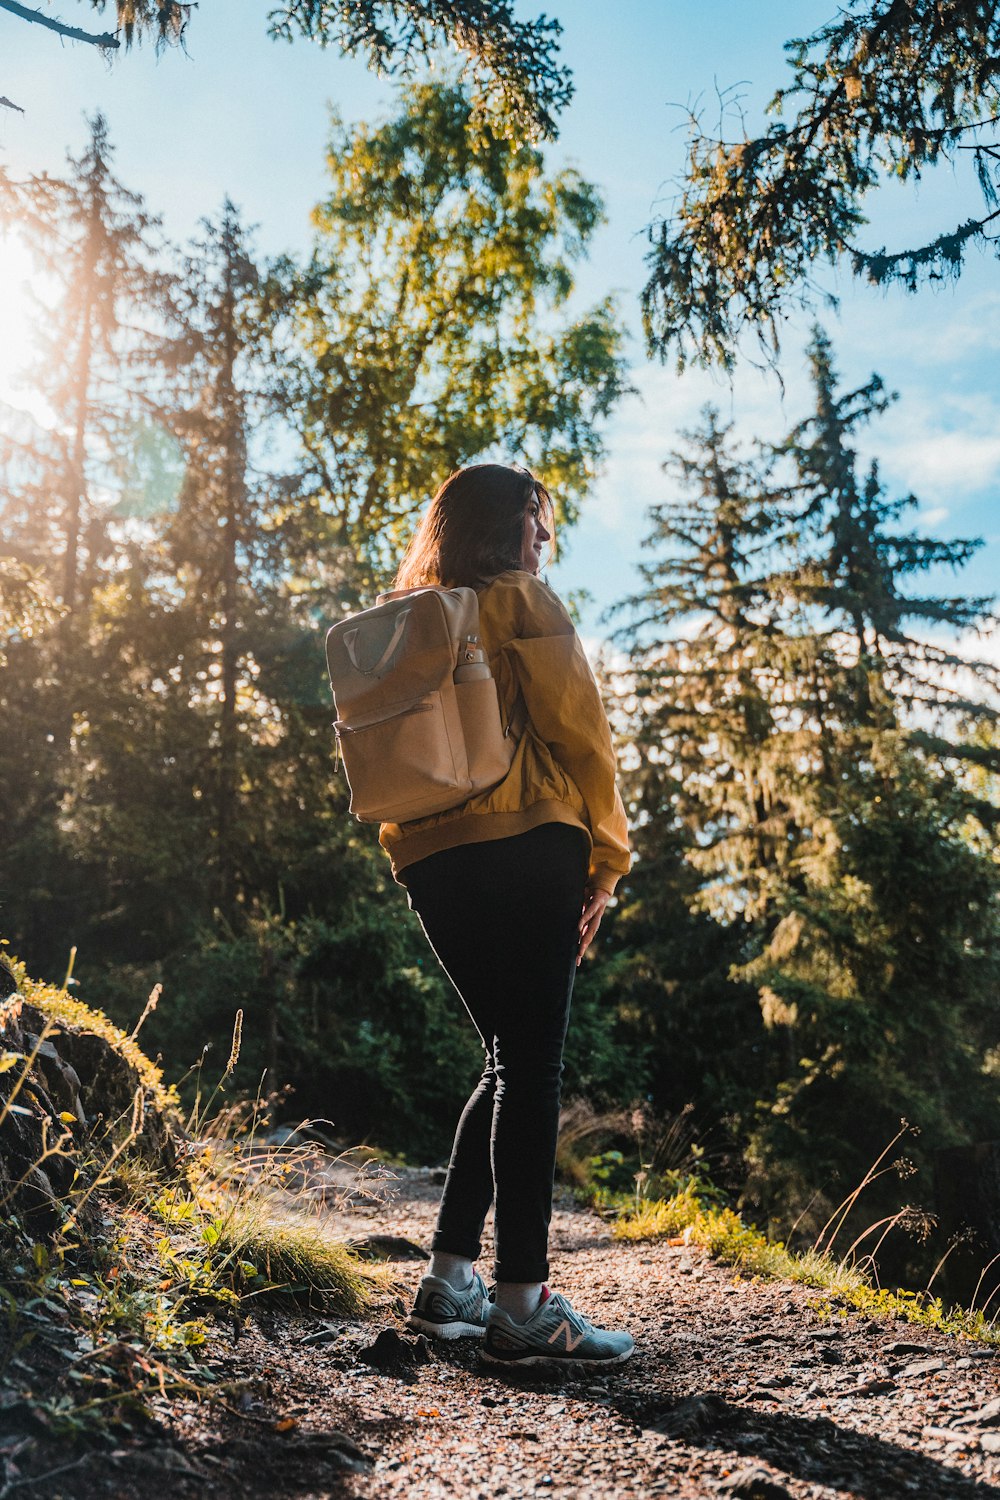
[244, 116]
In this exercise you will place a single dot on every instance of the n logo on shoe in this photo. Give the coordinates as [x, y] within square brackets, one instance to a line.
[572, 1339]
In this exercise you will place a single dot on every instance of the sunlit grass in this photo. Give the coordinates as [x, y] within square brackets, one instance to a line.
[287, 1255]
[721, 1231]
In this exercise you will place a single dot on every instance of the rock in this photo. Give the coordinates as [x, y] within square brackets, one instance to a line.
[986, 1416]
[990, 1442]
[394, 1354]
[877, 1386]
[32, 1123]
[62, 1081]
[77, 1074]
[8, 984]
[319, 1337]
[902, 1346]
[694, 1415]
[333, 1442]
[108, 1083]
[754, 1484]
[163, 1456]
[922, 1367]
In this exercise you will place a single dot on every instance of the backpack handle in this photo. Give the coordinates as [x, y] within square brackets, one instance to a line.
[422, 588]
[351, 642]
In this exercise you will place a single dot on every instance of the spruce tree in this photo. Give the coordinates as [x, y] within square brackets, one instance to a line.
[879, 952]
[711, 779]
[809, 746]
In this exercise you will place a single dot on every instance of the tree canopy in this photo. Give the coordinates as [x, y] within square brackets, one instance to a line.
[431, 325]
[517, 80]
[886, 90]
[233, 444]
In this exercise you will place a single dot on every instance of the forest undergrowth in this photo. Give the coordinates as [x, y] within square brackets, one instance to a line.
[115, 1256]
[157, 1223]
[681, 1204]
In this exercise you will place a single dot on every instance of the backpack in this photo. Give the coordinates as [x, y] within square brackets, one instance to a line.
[418, 717]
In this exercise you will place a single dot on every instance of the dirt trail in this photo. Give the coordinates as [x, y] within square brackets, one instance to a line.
[736, 1388]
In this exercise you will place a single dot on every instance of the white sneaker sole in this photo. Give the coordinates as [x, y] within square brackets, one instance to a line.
[561, 1361]
[445, 1330]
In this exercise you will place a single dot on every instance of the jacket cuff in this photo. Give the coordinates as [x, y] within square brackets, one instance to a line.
[604, 879]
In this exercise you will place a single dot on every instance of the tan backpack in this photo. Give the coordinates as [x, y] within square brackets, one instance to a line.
[418, 718]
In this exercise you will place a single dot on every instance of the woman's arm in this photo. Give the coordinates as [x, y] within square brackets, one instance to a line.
[566, 711]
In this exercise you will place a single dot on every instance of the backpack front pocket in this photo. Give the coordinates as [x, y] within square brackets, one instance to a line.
[401, 765]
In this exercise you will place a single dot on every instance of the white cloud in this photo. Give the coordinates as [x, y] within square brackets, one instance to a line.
[941, 448]
[953, 329]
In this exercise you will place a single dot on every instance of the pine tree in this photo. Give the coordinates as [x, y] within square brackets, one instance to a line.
[714, 773]
[708, 697]
[97, 240]
[213, 538]
[58, 511]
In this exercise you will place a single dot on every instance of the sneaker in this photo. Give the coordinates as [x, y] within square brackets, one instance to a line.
[554, 1334]
[443, 1313]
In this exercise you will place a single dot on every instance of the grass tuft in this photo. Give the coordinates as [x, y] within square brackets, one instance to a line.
[284, 1254]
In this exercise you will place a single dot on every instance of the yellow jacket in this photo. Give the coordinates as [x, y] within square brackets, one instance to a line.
[564, 767]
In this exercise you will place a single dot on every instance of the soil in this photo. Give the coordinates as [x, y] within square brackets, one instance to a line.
[737, 1388]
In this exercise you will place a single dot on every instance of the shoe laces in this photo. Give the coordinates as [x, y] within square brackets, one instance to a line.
[577, 1319]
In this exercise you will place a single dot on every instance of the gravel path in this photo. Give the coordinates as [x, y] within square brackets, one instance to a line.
[736, 1388]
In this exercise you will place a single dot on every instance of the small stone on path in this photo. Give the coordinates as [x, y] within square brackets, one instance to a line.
[922, 1367]
[754, 1484]
[394, 1354]
[986, 1416]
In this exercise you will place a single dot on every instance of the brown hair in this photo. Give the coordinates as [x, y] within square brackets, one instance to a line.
[473, 529]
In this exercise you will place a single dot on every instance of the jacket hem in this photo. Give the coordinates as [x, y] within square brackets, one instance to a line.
[477, 828]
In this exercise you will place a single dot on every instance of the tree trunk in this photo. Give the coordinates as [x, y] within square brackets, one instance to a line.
[233, 506]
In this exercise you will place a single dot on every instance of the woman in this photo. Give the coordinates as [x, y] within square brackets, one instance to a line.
[511, 888]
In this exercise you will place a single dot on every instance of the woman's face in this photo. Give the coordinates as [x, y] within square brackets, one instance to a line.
[534, 537]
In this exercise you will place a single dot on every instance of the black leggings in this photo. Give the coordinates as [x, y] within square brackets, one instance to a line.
[502, 917]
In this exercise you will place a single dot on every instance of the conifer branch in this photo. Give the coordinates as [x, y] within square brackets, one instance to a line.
[72, 33]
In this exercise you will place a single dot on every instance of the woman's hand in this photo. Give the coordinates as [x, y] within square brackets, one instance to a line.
[594, 903]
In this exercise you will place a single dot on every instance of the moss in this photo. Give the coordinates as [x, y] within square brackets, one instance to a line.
[63, 1009]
